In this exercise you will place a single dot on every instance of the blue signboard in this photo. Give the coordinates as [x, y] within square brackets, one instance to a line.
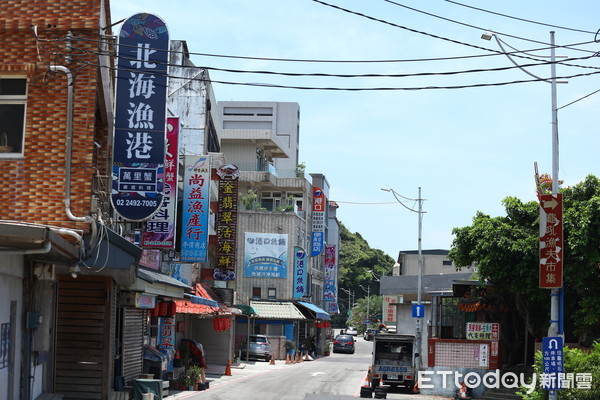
[196, 207]
[418, 311]
[140, 117]
[552, 362]
[300, 267]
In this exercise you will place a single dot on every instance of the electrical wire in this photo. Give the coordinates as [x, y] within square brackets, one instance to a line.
[371, 75]
[519, 19]
[416, 88]
[472, 26]
[404, 27]
[491, 53]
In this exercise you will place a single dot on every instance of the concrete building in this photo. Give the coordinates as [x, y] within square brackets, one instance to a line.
[276, 203]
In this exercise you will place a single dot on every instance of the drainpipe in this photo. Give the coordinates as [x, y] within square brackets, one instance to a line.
[68, 153]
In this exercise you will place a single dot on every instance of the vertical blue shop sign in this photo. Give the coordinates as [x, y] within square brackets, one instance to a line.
[300, 272]
[140, 117]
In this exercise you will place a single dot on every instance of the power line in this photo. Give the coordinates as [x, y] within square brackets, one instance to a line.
[411, 29]
[519, 19]
[469, 25]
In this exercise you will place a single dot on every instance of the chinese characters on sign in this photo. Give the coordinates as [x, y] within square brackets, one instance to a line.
[389, 305]
[265, 255]
[159, 231]
[139, 139]
[318, 218]
[551, 241]
[483, 331]
[300, 267]
[329, 274]
[552, 360]
[166, 334]
[227, 222]
[196, 201]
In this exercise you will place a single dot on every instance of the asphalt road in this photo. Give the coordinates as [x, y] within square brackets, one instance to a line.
[336, 377]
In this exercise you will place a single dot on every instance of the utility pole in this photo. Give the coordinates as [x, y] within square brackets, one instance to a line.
[419, 321]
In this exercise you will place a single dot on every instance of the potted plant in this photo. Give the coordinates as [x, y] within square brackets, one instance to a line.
[185, 381]
[196, 373]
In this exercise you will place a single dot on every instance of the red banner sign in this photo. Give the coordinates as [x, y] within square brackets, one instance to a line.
[551, 241]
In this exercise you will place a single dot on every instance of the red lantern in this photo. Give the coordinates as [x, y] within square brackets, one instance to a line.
[162, 310]
[154, 311]
[171, 308]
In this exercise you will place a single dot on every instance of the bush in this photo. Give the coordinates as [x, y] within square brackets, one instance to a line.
[576, 362]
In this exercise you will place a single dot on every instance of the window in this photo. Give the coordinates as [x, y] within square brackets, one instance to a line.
[447, 263]
[13, 97]
[272, 294]
[256, 293]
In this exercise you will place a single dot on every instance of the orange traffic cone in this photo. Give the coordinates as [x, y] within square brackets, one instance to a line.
[272, 360]
[415, 388]
[228, 368]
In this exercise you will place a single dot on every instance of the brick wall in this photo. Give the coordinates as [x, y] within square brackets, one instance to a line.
[32, 187]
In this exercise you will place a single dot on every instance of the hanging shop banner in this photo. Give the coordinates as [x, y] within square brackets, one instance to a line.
[318, 218]
[166, 333]
[180, 271]
[140, 111]
[300, 269]
[159, 230]
[265, 255]
[196, 203]
[227, 222]
[329, 274]
[150, 259]
[389, 310]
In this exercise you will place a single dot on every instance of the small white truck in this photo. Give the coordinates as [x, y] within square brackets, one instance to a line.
[394, 360]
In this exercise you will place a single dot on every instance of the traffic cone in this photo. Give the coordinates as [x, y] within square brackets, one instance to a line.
[306, 357]
[272, 360]
[415, 388]
[228, 368]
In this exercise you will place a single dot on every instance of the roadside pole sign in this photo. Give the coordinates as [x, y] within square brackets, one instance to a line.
[553, 362]
[551, 241]
[418, 311]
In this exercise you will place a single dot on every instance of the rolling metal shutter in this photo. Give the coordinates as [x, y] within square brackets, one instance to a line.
[83, 327]
[133, 338]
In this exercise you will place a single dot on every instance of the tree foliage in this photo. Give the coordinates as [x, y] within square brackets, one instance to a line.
[356, 260]
[506, 250]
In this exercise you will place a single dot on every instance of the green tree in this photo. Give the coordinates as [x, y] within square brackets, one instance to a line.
[506, 250]
[356, 260]
[575, 362]
[358, 315]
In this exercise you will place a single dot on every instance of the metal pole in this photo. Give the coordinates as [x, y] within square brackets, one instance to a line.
[420, 281]
[554, 329]
[368, 304]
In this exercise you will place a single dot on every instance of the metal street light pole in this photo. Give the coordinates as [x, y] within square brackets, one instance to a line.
[368, 290]
[420, 212]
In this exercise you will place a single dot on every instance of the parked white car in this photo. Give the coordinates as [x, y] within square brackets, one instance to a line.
[352, 331]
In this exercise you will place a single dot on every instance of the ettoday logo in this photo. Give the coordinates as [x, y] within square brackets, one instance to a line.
[509, 380]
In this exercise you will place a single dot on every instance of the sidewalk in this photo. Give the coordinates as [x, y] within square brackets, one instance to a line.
[215, 376]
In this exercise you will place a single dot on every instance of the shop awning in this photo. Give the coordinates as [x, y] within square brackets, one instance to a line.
[156, 277]
[202, 301]
[276, 310]
[245, 309]
[319, 312]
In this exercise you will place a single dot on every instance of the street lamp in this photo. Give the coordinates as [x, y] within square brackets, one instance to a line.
[368, 290]
[420, 212]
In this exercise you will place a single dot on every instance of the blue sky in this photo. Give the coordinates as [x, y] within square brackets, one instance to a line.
[467, 148]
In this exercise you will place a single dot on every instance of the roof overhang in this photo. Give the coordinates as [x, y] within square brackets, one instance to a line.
[38, 241]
